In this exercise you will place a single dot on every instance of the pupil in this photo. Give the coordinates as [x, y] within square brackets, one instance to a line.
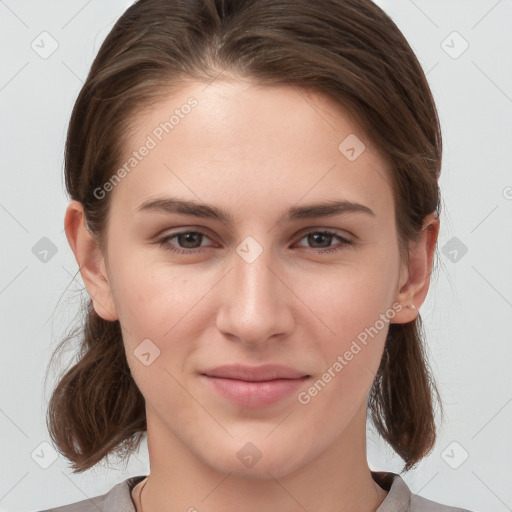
[189, 239]
[319, 235]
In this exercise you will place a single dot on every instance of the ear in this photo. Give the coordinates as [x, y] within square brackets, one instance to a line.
[90, 261]
[415, 277]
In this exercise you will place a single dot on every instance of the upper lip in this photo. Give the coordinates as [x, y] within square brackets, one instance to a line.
[254, 373]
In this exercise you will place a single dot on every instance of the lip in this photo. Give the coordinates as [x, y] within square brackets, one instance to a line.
[254, 373]
[254, 386]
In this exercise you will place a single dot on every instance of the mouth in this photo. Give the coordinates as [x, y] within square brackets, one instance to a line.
[251, 386]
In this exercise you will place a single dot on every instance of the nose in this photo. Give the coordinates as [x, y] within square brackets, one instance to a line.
[256, 301]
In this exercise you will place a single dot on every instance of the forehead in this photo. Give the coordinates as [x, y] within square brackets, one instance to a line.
[237, 144]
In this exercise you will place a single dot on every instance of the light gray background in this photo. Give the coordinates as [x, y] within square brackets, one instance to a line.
[467, 312]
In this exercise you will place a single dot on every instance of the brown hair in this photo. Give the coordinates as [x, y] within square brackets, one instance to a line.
[349, 50]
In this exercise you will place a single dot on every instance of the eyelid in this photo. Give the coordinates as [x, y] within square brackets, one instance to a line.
[185, 229]
[343, 233]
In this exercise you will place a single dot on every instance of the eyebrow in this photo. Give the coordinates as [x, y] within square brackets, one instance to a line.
[324, 209]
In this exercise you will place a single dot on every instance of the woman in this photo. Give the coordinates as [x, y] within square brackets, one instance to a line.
[254, 211]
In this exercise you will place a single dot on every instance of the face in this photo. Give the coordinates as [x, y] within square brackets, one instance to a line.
[275, 282]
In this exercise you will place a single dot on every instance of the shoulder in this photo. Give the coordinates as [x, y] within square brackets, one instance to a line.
[401, 499]
[118, 499]
[420, 504]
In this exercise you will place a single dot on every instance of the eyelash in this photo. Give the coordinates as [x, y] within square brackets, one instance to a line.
[164, 242]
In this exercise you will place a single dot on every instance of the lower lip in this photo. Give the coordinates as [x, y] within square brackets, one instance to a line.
[254, 394]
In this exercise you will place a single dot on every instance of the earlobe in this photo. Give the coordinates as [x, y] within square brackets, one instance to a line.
[421, 256]
[90, 260]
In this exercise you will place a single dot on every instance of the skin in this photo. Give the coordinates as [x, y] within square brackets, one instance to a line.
[253, 151]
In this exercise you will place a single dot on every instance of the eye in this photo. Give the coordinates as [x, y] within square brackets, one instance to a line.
[319, 236]
[190, 241]
[187, 238]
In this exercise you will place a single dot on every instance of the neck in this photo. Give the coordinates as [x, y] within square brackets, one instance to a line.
[337, 480]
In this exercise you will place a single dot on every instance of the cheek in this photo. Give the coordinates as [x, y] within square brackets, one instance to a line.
[350, 298]
[350, 362]
[356, 305]
[151, 298]
[164, 304]
[156, 312]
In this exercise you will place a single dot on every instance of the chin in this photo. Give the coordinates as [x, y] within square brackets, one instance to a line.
[259, 460]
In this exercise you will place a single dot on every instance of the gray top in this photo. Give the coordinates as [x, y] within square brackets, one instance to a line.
[398, 499]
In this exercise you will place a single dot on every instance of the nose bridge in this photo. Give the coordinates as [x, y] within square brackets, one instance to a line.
[253, 277]
[254, 301]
